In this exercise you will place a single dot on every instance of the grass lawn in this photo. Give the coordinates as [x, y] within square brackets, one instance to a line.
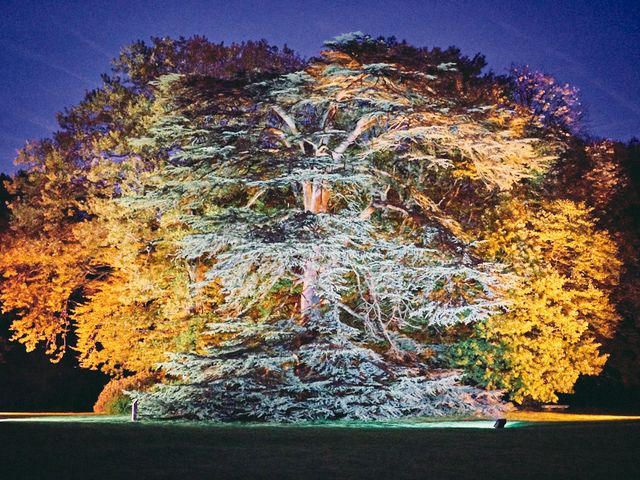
[69, 448]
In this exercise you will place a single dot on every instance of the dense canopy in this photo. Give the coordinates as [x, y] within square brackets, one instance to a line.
[380, 231]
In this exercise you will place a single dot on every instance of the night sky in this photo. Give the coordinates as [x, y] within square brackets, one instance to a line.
[52, 52]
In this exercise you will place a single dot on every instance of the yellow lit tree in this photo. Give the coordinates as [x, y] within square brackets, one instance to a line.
[558, 310]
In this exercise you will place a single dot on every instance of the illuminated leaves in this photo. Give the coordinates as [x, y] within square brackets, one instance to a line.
[550, 104]
[74, 259]
[559, 311]
[395, 184]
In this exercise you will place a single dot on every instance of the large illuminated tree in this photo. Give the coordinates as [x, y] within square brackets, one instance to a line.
[312, 199]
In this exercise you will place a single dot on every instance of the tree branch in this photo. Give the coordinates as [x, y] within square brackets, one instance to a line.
[286, 119]
[364, 124]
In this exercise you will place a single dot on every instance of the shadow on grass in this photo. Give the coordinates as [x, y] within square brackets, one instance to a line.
[110, 448]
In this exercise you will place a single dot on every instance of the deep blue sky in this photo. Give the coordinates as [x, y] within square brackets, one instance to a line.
[51, 52]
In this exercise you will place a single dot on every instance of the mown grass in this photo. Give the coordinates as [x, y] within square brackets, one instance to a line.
[112, 449]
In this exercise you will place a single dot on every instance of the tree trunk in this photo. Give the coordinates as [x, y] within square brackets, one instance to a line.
[316, 200]
[196, 273]
[315, 196]
[309, 300]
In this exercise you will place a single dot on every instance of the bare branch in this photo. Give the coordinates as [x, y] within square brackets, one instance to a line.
[286, 118]
[364, 124]
[255, 198]
[427, 204]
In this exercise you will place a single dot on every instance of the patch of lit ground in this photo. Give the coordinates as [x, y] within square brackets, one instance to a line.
[515, 418]
[17, 415]
[525, 416]
[60, 417]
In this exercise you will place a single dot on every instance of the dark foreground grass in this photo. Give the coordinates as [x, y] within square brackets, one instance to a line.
[74, 450]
